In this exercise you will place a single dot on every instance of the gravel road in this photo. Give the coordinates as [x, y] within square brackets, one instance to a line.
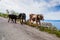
[11, 31]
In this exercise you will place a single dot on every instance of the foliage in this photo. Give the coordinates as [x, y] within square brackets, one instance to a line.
[3, 15]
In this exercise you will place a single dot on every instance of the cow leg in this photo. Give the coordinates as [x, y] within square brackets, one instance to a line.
[39, 23]
[12, 20]
[22, 21]
[15, 20]
[33, 22]
[30, 20]
[8, 19]
[25, 20]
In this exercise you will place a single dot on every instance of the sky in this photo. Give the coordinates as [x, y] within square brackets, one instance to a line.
[49, 8]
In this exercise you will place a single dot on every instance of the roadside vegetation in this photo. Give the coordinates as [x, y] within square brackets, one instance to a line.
[50, 30]
[3, 15]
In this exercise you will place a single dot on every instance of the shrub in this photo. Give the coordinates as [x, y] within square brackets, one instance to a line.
[49, 30]
[57, 33]
[3, 15]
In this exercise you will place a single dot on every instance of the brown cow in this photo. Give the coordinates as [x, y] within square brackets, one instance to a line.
[36, 18]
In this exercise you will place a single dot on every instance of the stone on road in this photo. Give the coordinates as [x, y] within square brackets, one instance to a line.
[11, 31]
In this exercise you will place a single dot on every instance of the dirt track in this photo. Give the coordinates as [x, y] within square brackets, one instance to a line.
[11, 31]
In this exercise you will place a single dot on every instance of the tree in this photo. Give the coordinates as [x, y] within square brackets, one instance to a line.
[7, 11]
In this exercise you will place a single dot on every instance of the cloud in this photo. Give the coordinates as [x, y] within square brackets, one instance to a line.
[45, 7]
[52, 16]
[22, 5]
[47, 1]
[54, 9]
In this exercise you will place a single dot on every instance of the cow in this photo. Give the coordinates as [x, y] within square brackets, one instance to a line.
[36, 18]
[12, 17]
[22, 17]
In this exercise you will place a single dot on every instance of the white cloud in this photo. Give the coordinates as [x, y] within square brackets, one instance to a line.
[29, 6]
[52, 16]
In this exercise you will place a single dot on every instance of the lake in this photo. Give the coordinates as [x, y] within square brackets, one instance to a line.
[56, 23]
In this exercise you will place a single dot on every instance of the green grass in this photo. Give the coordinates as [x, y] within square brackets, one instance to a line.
[3, 15]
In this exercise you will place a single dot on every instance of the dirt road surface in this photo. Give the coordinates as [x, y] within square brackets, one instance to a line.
[11, 31]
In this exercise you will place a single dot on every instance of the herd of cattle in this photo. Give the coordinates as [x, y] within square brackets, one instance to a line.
[22, 17]
[36, 18]
[13, 18]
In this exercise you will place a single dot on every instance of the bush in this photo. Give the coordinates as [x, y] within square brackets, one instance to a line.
[41, 28]
[49, 30]
[3, 15]
[57, 33]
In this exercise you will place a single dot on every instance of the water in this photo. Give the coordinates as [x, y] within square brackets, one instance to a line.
[56, 23]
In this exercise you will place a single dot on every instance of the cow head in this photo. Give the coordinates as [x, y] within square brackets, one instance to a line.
[40, 16]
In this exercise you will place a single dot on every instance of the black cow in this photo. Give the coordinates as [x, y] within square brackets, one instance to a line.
[12, 17]
[22, 17]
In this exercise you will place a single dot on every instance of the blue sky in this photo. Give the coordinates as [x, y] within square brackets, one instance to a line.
[49, 8]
